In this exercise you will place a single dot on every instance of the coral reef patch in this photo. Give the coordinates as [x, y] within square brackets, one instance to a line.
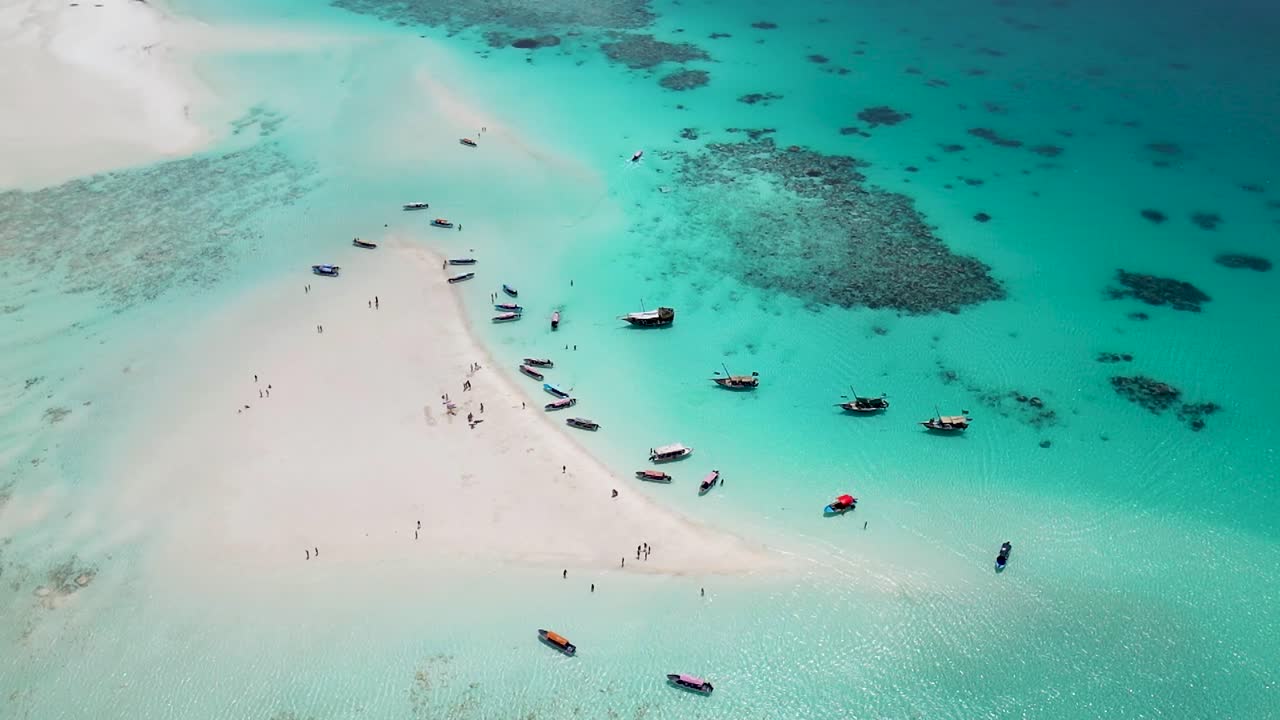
[1155, 290]
[641, 51]
[1154, 216]
[994, 138]
[759, 98]
[1159, 397]
[1240, 261]
[685, 79]
[534, 16]
[1206, 220]
[534, 43]
[882, 115]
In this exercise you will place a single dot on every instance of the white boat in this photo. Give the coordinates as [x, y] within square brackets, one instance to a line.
[667, 453]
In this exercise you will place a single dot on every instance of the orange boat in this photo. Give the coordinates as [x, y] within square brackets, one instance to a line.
[557, 641]
[653, 476]
[441, 222]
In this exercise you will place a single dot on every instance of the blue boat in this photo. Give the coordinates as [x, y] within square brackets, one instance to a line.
[1003, 558]
[509, 307]
[509, 290]
[326, 270]
[554, 390]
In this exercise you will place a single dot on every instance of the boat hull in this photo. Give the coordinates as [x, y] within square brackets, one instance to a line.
[659, 459]
[704, 689]
[532, 373]
[510, 291]
[661, 478]
[326, 270]
[462, 261]
[582, 424]
[462, 278]
[538, 362]
[363, 244]
[567, 648]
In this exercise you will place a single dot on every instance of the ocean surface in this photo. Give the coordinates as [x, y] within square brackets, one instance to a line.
[1051, 215]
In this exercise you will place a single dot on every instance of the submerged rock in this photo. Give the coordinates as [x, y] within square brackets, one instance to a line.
[534, 43]
[1154, 216]
[1154, 290]
[1241, 261]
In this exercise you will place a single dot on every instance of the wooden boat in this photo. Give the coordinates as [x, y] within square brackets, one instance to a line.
[363, 243]
[326, 270]
[460, 278]
[462, 261]
[662, 317]
[668, 453]
[561, 404]
[510, 291]
[506, 317]
[509, 307]
[690, 682]
[653, 476]
[709, 482]
[737, 382]
[532, 373]
[841, 505]
[557, 641]
[416, 206]
[468, 142]
[635, 156]
[539, 362]
[1003, 558]
[861, 404]
[555, 320]
[441, 222]
[554, 390]
[947, 423]
[582, 424]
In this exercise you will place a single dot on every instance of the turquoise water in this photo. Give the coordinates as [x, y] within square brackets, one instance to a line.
[1145, 560]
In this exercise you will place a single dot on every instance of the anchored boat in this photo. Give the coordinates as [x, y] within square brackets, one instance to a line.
[861, 404]
[460, 278]
[326, 270]
[554, 390]
[582, 424]
[737, 382]
[561, 404]
[416, 206]
[668, 453]
[363, 243]
[468, 142]
[635, 156]
[662, 317]
[555, 320]
[841, 505]
[441, 222]
[506, 317]
[709, 482]
[510, 291]
[1003, 558]
[947, 423]
[690, 682]
[557, 641]
[539, 362]
[462, 261]
[509, 307]
[531, 372]
[653, 476]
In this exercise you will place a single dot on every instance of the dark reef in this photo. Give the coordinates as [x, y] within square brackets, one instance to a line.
[1153, 290]
[517, 15]
[1154, 216]
[1206, 220]
[994, 138]
[685, 79]
[882, 115]
[1158, 397]
[819, 59]
[1109, 357]
[759, 98]
[640, 51]
[1047, 150]
[764, 25]
[982, 217]
[533, 43]
[1240, 261]
[689, 133]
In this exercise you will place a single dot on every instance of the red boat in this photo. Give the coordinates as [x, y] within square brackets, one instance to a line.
[709, 482]
[532, 373]
[441, 222]
[653, 476]
[468, 142]
[841, 505]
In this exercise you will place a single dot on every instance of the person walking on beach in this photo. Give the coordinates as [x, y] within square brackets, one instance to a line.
[593, 587]
[317, 552]
[704, 592]
[864, 524]
[370, 304]
[375, 302]
[565, 574]
[624, 562]
[259, 393]
[481, 407]
[564, 469]
[308, 552]
[268, 391]
[255, 378]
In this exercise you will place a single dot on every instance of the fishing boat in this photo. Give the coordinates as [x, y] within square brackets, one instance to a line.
[462, 261]
[506, 317]
[861, 404]
[510, 291]
[326, 270]
[416, 206]
[441, 222]
[662, 317]
[737, 382]
[539, 362]
[1003, 558]
[468, 142]
[555, 320]
[668, 453]
[635, 156]
[532, 373]
[460, 278]
[557, 641]
[560, 404]
[363, 243]
[653, 476]
[841, 505]
[709, 482]
[947, 423]
[582, 424]
[554, 390]
[690, 682]
[509, 307]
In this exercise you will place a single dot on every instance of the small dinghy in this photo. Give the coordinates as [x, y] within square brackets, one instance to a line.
[668, 453]
[363, 243]
[509, 307]
[653, 476]
[1003, 558]
[841, 505]
[709, 482]
[582, 424]
[539, 362]
[557, 641]
[554, 390]
[460, 278]
[635, 156]
[506, 317]
[691, 683]
[510, 291]
[532, 373]
[462, 261]
[555, 320]
[561, 404]
[326, 270]
[416, 206]
[468, 142]
[441, 222]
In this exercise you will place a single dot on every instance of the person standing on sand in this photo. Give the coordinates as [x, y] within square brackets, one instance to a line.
[370, 304]
[375, 302]
[564, 469]
[308, 552]
[565, 574]
[624, 562]
[593, 587]
[317, 552]
[255, 378]
[704, 592]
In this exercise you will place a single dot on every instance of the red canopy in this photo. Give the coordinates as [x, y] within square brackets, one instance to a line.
[845, 499]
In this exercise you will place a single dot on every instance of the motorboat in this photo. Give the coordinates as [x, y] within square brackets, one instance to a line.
[441, 222]
[947, 423]
[1003, 558]
[841, 505]
[539, 362]
[662, 317]
[460, 278]
[690, 682]
[532, 373]
[468, 142]
[506, 317]
[582, 424]
[462, 261]
[653, 476]
[668, 453]
[861, 404]
[326, 270]
[709, 482]
[560, 404]
[554, 390]
[557, 641]
[416, 206]
[555, 320]
[363, 243]
[510, 291]
[635, 156]
[509, 307]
